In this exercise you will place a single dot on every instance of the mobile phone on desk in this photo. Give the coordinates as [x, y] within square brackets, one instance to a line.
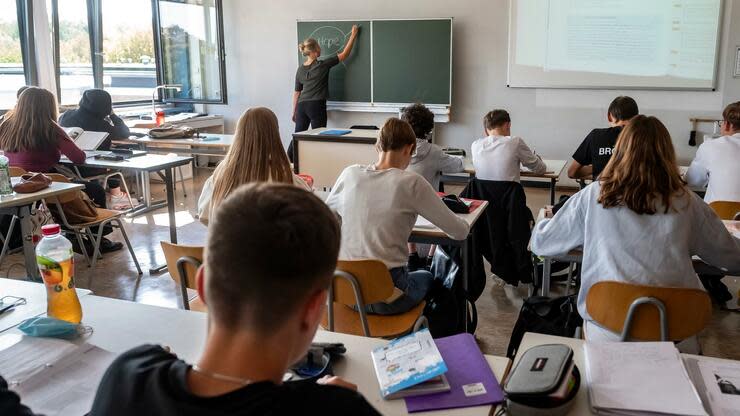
[109, 157]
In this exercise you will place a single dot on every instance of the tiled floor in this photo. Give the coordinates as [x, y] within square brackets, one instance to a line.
[498, 307]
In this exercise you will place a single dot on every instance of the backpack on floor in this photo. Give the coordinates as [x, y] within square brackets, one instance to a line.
[446, 297]
[544, 315]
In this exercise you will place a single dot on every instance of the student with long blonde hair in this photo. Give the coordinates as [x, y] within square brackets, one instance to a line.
[256, 155]
[638, 223]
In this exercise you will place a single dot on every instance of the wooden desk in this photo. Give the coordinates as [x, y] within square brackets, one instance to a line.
[325, 157]
[145, 165]
[35, 295]
[20, 205]
[189, 146]
[121, 325]
[554, 169]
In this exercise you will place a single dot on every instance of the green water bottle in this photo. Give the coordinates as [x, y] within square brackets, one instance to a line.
[5, 187]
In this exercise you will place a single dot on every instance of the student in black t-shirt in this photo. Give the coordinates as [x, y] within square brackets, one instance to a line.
[264, 309]
[594, 153]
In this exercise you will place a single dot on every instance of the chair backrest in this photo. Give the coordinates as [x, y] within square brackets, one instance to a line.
[373, 277]
[16, 171]
[727, 210]
[688, 310]
[173, 252]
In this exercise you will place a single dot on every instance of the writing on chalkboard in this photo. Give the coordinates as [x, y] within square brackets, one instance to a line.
[330, 38]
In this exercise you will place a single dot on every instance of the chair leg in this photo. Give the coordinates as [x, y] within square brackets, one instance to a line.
[96, 243]
[81, 242]
[182, 182]
[569, 282]
[119, 224]
[6, 241]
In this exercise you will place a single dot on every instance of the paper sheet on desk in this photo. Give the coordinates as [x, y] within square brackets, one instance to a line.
[639, 378]
[720, 382]
[54, 377]
[424, 223]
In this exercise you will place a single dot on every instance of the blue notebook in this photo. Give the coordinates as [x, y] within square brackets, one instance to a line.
[335, 132]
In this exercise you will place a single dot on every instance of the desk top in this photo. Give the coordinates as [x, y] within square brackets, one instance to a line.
[222, 141]
[56, 188]
[147, 163]
[554, 168]
[469, 218]
[362, 135]
[120, 325]
[35, 295]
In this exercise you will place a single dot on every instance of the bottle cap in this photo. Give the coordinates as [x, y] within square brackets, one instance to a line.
[50, 229]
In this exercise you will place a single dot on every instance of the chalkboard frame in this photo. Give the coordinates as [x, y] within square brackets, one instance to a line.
[441, 109]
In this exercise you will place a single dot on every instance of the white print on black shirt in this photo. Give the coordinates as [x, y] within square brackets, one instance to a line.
[605, 151]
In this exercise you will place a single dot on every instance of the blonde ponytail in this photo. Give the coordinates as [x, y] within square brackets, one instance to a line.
[307, 46]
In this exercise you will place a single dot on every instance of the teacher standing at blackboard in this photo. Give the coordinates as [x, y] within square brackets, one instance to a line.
[312, 84]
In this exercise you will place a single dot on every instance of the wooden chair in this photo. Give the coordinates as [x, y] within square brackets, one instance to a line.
[727, 210]
[363, 282]
[184, 261]
[668, 314]
[16, 171]
[104, 217]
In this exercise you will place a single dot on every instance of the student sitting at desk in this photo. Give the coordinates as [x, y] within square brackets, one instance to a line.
[638, 223]
[378, 205]
[497, 157]
[594, 153]
[32, 140]
[95, 113]
[717, 162]
[263, 312]
[257, 155]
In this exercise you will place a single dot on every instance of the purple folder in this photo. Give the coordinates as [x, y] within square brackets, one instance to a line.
[466, 367]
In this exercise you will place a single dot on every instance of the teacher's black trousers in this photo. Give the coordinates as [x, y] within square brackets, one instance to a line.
[308, 113]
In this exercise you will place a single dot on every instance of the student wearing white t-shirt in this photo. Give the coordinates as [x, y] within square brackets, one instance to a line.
[378, 205]
[638, 223]
[497, 157]
[717, 162]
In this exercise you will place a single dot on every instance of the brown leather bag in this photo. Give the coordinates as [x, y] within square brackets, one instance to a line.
[32, 182]
[79, 210]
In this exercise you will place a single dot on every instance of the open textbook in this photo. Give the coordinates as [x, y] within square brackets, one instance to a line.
[86, 140]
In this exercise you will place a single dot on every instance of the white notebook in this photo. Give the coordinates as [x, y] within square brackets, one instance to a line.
[639, 378]
[86, 140]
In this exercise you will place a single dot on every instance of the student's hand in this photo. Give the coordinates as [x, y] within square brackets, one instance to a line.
[336, 381]
[293, 118]
[355, 30]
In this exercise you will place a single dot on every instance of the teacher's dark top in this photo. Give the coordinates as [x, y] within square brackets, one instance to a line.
[313, 80]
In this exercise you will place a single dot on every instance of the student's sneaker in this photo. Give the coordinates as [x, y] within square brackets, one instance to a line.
[415, 262]
[119, 202]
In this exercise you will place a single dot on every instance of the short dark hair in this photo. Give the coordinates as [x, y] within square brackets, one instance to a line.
[270, 246]
[395, 135]
[623, 108]
[420, 118]
[496, 118]
[732, 115]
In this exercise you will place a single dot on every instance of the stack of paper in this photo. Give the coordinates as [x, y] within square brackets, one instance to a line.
[639, 378]
[718, 383]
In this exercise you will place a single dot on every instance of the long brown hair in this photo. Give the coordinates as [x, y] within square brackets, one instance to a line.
[257, 155]
[31, 125]
[642, 170]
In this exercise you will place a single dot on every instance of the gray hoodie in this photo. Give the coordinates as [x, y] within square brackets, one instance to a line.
[429, 161]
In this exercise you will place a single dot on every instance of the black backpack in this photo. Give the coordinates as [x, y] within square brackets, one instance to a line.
[446, 297]
[544, 315]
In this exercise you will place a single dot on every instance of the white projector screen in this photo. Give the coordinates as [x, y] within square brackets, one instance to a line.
[640, 44]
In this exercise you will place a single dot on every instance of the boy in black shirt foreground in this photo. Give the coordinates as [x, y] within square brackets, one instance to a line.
[594, 153]
[264, 309]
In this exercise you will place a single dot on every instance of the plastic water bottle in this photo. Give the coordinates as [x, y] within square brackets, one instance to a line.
[5, 187]
[57, 266]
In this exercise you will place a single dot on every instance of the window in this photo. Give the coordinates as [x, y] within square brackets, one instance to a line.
[12, 75]
[191, 38]
[74, 55]
[129, 68]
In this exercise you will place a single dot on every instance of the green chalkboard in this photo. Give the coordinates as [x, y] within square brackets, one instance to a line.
[393, 61]
[350, 80]
[411, 61]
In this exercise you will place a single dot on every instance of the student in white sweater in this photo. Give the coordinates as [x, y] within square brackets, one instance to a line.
[378, 206]
[497, 157]
[639, 223]
[257, 155]
[717, 162]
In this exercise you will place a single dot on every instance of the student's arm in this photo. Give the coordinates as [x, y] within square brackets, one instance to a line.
[120, 129]
[529, 159]
[578, 171]
[564, 232]
[10, 402]
[450, 164]
[68, 148]
[204, 201]
[296, 94]
[698, 174]
[711, 241]
[334, 200]
[430, 206]
[348, 47]
[581, 166]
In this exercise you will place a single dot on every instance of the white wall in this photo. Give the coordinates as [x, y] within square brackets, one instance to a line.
[260, 39]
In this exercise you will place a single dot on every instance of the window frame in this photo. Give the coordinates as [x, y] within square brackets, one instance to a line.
[24, 10]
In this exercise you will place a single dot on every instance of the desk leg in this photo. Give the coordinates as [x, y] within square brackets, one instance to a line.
[553, 182]
[29, 251]
[169, 184]
[466, 283]
[546, 266]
